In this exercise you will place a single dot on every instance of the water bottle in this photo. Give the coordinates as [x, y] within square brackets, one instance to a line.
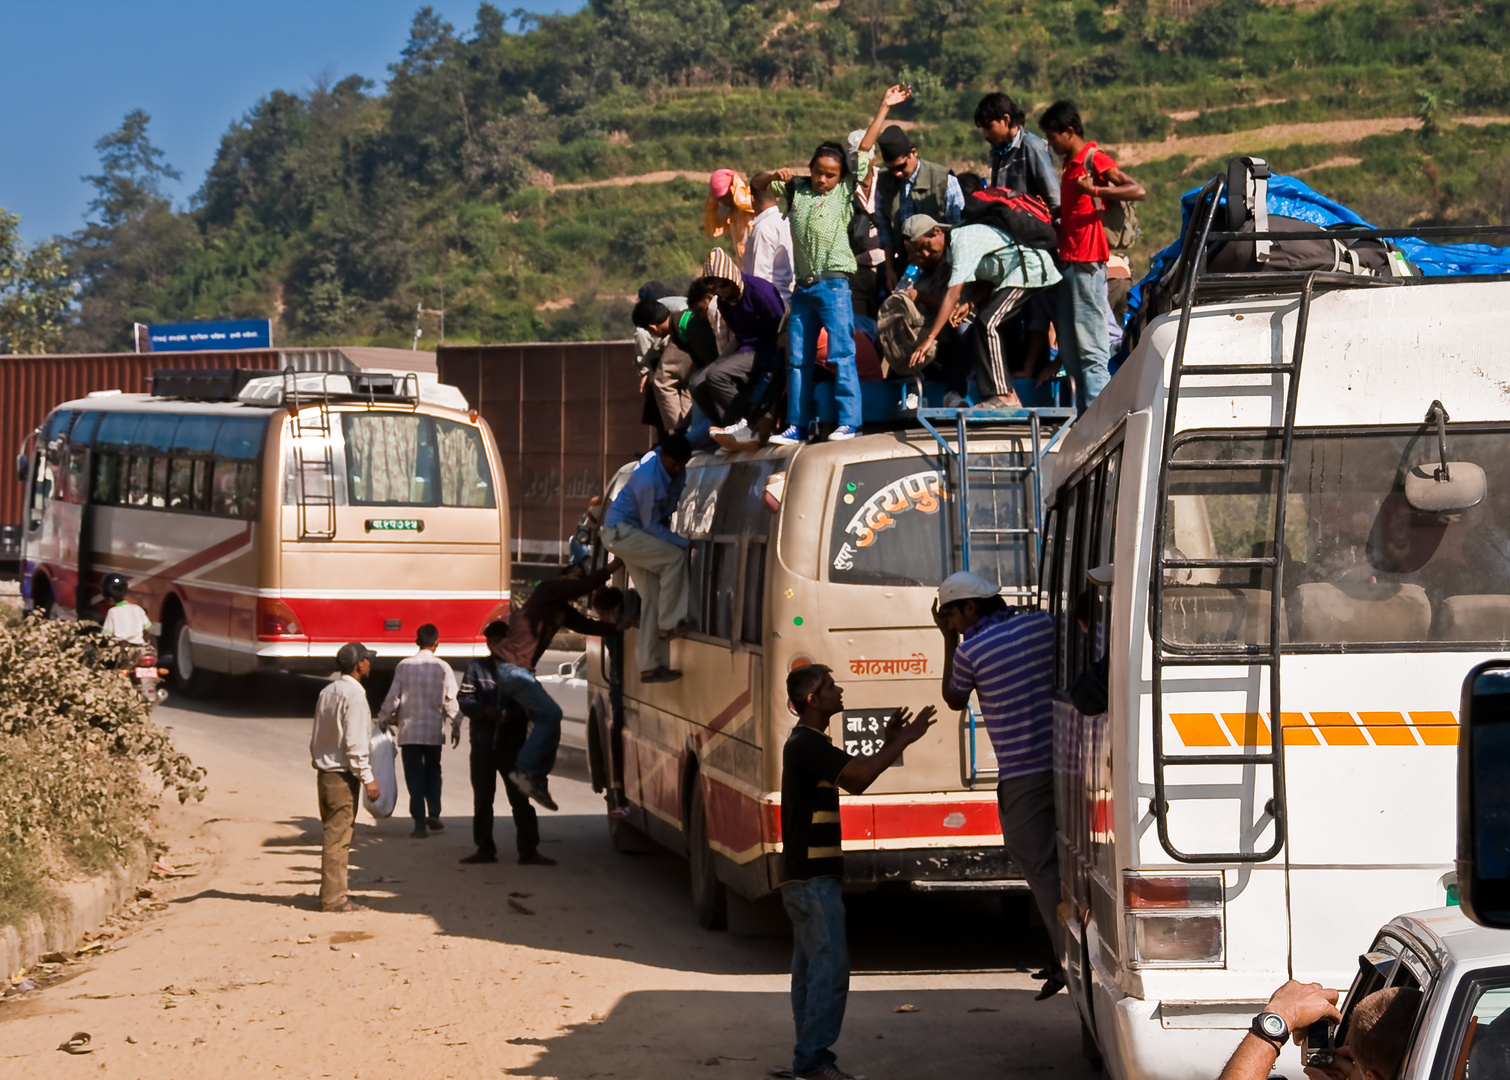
[909, 278]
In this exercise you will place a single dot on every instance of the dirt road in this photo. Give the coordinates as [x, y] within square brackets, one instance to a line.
[593, 968]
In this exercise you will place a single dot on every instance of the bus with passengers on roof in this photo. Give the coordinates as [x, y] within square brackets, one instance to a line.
[1294, 487]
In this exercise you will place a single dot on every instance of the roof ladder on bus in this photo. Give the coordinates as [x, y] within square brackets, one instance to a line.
[960, 471]
[314, 463]
[1165, 561]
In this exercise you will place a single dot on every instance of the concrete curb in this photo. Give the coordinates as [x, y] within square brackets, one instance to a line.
[83, 906]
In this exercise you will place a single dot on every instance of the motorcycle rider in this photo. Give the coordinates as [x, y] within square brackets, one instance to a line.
[126, 621]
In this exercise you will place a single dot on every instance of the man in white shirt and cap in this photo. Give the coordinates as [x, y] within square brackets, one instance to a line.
[338, 749]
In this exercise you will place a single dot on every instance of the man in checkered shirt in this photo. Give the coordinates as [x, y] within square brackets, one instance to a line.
[423, 695]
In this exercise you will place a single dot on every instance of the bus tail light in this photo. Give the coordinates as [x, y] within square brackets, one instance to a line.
[275, 619]
[1173, 921]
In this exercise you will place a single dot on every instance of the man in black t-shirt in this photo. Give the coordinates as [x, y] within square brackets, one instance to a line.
[813, 770]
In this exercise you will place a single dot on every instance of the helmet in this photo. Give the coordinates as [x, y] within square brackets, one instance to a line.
[114, 586]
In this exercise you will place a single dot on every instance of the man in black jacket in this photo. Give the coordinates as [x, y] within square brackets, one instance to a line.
[1020, 160]
[908, 185]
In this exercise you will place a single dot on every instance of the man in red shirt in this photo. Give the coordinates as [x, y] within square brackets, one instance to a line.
[1089, 178]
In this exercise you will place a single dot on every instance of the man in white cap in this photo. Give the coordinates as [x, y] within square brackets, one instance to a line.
[1006, 657]
[339, 749]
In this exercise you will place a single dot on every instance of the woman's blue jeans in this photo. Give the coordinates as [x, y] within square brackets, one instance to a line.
[824, 305]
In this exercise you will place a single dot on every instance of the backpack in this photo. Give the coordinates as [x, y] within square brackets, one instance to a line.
[1120, 221]
[1025, 218]
[1247, 211]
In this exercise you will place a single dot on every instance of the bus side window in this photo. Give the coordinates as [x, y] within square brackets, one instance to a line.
[722, 579]
[1106, 535]
[1064, 613]
[1046, 577]
[754, 594]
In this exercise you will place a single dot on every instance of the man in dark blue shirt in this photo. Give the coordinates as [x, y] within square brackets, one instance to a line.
[813, 770]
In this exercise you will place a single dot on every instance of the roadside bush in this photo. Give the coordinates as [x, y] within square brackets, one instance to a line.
[82, 765]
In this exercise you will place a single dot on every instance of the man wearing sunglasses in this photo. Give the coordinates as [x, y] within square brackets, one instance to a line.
[909, 185]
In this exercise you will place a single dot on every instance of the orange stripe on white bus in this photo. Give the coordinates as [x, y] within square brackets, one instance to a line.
[1251, 730]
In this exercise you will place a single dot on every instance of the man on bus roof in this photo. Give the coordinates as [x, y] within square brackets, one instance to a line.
[813, 770]
[637, 530]
[1006, 657]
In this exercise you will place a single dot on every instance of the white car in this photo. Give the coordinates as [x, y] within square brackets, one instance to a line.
[568, 688]
[1463, 972]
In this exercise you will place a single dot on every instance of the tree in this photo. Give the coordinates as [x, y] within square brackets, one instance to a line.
[34, 291]
[126, 256]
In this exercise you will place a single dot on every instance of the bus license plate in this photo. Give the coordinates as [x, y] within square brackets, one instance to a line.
[146, 673]
[865, 731]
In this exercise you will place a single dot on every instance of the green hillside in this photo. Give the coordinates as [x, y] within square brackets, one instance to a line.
[341, 210]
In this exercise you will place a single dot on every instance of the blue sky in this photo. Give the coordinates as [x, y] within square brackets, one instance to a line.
[73, 68]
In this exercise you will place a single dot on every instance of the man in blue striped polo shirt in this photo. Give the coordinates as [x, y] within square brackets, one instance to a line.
[1006, 657]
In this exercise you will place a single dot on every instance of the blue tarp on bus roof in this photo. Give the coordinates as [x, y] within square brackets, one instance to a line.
[1289, 197]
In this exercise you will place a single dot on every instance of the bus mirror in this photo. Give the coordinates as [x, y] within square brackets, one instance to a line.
[1484, 795]
[1445, 488]
[23, 466]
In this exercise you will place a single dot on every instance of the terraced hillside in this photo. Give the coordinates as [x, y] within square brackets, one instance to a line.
[527, 178]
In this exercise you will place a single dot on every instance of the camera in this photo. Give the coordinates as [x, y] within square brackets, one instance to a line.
[1320, 1043]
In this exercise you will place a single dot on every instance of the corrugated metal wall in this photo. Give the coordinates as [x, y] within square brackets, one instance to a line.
[566, 416]
[30, 386]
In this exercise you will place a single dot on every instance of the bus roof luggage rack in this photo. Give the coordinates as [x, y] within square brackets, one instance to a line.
[1030, 526]
[205, 384]
[300, 389]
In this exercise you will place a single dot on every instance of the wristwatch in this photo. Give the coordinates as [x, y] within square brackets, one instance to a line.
[1272, 1028]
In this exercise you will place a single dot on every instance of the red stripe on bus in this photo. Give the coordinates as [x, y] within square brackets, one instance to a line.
[200, 558]
[364, 620]
[896, 821]
[741, 817]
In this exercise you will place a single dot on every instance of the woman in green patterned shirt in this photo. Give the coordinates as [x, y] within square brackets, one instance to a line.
[820, 206]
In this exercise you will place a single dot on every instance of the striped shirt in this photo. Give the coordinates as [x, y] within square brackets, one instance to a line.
[820, 224]
[423, 695]
[1008, 660]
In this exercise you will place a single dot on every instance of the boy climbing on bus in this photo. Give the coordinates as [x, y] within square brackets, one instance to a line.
[813, 770]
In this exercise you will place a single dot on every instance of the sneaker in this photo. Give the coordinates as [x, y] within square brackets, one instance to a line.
[787, 436]
[843, 432]
[534, 787]
[733, 436]
[434, 824]
[956, 401]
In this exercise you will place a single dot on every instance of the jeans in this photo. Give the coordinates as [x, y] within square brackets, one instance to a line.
[1084, 346]
[422, 778]
[820, 968]
[495, 746]
[826, 305]
[1025, 806]
[537, 757]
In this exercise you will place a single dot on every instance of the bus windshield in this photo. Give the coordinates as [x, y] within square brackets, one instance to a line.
[892, 523]
[410, 459]
[1361, 565]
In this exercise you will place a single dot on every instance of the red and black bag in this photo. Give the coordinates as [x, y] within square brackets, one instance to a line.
[1025, 218]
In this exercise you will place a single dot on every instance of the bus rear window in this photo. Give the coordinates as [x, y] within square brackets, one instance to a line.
[409, 459]
[1361, 565]
[894, 523]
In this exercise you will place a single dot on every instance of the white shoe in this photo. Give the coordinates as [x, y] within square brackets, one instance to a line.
[736, 436]
[843, 432]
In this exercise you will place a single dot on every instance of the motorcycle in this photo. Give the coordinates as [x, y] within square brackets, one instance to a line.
[147, 677]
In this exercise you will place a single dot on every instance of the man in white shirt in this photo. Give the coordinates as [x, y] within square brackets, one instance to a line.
[768, 247]
[125, 620]
[423, 695]
[338, 749]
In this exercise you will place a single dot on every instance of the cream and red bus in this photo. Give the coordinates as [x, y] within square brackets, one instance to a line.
[828, 553]
[263, 521]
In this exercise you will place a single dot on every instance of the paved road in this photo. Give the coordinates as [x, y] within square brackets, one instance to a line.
[595, 969]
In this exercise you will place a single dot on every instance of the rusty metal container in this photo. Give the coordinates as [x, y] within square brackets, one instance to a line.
[565, 417]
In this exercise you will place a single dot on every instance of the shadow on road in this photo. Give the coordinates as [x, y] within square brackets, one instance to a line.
[672, 1033]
